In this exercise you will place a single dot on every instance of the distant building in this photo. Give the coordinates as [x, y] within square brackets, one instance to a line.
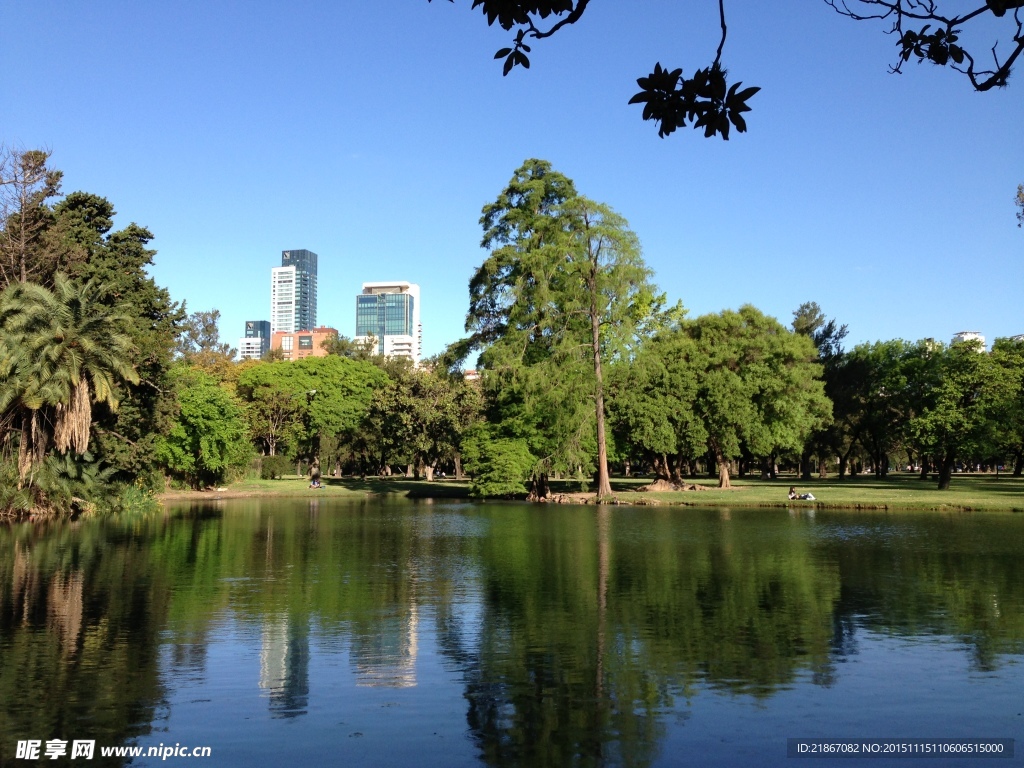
[1018, 337]
[390, 314]
[962, 336]
[293, 288]
[300, 344]
[256, 342]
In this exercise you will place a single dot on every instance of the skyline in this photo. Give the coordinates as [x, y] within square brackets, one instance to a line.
[373, 137]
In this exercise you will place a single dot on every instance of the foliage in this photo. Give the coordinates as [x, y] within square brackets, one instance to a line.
[209, 442]
[292, 404]
[275, 467]
[499, 466]
[343, 346]
[199, 344]
[708, 101]
[60, 350]
[723, 383]
[26, 183]
[958, 422]
[118, 260]
[939, 40]
[563, 289]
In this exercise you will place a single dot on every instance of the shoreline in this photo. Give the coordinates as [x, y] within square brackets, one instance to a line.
[860, 495]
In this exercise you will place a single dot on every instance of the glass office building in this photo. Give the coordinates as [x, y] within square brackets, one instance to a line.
[256, 342]
[390, 313]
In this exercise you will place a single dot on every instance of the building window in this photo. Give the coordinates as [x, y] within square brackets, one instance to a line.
[305, 342]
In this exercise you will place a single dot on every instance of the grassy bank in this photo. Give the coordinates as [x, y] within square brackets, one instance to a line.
[898, 491]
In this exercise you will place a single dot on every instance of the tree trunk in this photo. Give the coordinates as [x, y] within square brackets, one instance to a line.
[428, 473]
[946, 471]
[925, 466]
[805, 465]
[604, 487]
[1018, 463]
[539, 490]
[408, 470]
[723, 469]
[458, 467]
[627, 467]
[661, 471]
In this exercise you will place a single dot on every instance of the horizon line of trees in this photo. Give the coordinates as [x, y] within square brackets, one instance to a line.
[108, 388]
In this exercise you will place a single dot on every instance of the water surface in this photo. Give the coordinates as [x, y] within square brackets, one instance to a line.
[452, 634]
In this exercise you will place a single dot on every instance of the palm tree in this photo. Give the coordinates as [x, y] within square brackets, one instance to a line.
[60, 351]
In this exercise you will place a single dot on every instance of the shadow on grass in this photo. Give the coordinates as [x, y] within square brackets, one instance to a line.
[409, 487]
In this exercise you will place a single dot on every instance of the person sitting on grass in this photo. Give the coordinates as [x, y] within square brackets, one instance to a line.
[802, 496]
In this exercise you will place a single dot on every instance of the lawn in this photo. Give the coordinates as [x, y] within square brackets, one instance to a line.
[898, 491]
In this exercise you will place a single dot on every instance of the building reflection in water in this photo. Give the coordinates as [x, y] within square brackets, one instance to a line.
[284, 665]
[385, 656]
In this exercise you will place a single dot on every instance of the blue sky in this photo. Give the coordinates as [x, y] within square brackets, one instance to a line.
[372, 133]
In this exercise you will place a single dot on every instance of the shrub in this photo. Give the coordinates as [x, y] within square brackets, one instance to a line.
[276, 467]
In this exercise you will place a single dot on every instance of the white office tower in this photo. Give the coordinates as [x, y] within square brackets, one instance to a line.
[282, 300]
[962, 336]
[390, 313]
[293, 292]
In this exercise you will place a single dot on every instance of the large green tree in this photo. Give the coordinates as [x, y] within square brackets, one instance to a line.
[118, 260]
[299, 402]
[960, 421]
[758, 385]
[1008, 354]
[563, 290]
[209, 441]
[60, 351]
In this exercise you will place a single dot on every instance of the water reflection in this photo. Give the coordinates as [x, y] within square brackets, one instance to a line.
[570, 636]
[284, 665]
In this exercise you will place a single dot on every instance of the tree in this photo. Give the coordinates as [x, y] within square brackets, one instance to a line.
[959, 422]
[343, 346]
[209, 441]
[26, 183]
[117, 261]
[759, 385]
[199, 344]
[810, 321]
[564, 287]
[709, 102]
[60, 351]
[423, 415]
[297, 402]
[1008, 354]
[652, 403]
[943, 45]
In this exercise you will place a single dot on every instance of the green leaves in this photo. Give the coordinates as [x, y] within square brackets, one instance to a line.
[705, 100]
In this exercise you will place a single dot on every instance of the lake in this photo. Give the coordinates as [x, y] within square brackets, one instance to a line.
[399, 633]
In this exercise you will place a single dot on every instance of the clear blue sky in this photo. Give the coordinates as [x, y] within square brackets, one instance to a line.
[373, 132]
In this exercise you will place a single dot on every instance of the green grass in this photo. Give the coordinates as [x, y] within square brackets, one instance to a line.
[898, 491]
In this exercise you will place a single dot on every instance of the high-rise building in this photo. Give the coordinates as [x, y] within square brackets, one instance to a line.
[390, 313]
[256, 342]
[964, 336]
[293, 292]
